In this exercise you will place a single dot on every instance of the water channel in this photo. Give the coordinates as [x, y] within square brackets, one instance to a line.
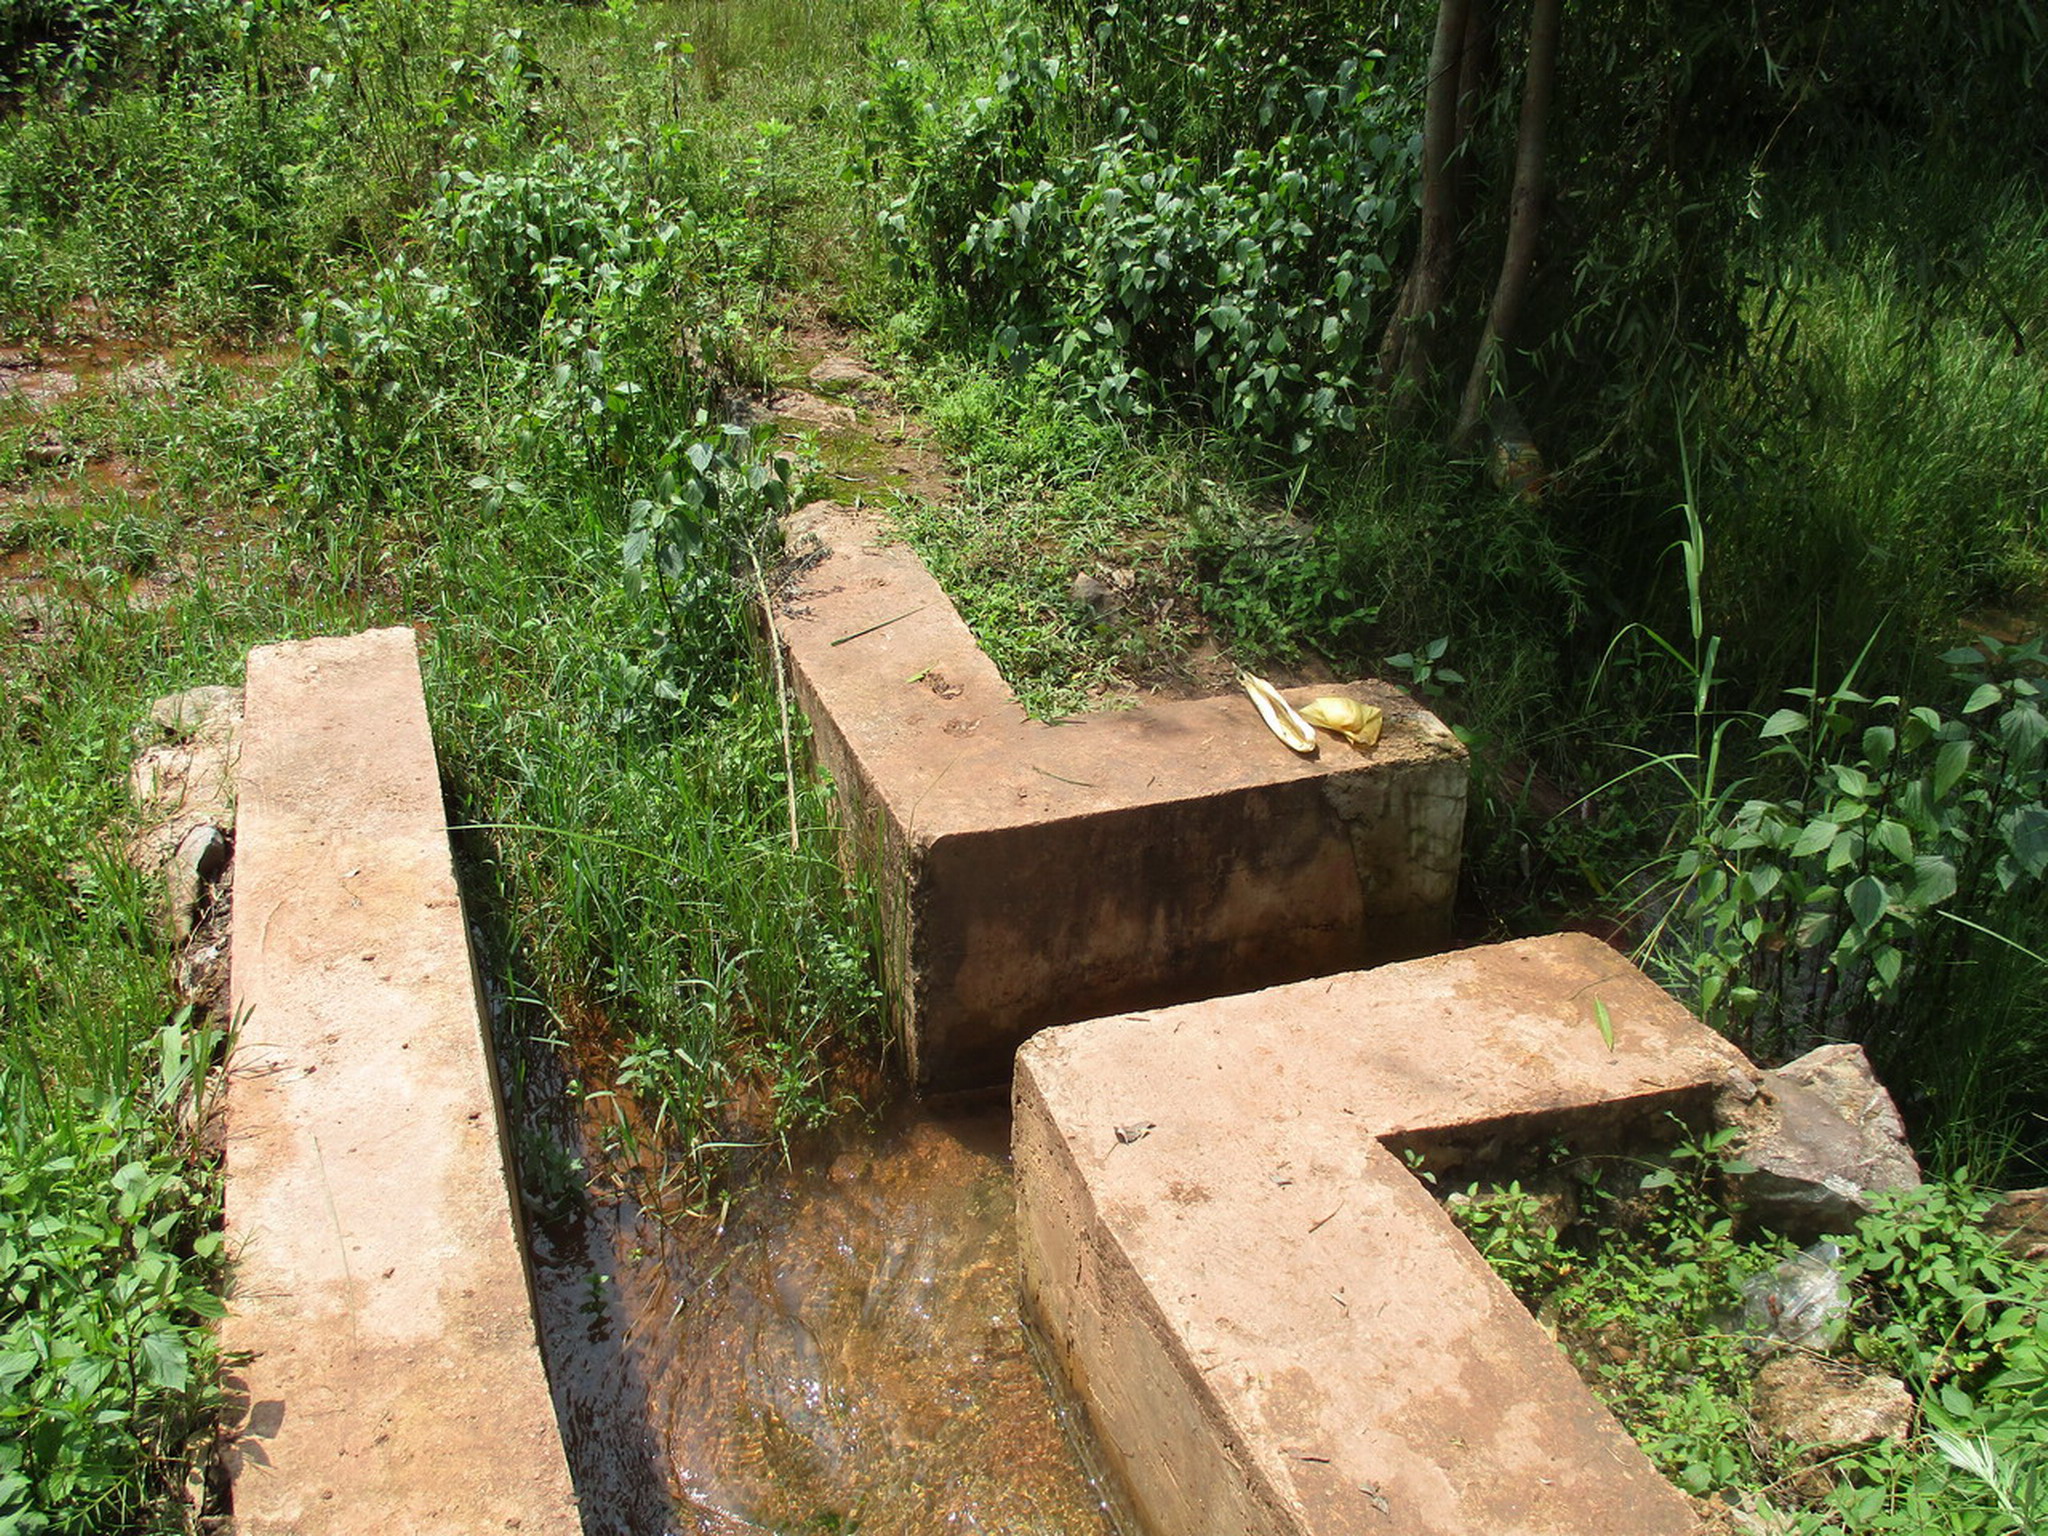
[836, 1349]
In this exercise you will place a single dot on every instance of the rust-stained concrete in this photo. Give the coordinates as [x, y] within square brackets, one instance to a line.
[1035, 874]
[379, 1300]
[1272, 1324]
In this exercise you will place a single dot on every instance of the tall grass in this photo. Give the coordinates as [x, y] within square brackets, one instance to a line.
[108, 1260]
[530, 246]
[1880, 463]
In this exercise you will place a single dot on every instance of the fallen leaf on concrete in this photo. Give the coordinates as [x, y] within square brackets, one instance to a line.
[1279, 715]
[1136, 1131]
[1357, 723]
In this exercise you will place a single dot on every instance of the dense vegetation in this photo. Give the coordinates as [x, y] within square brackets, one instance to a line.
[455, 295]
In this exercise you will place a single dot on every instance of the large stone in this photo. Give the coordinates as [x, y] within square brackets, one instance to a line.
[1823, 1404]
[1822, 1135]
[200, 856]
[211, 708]
[836, 375]
[185, 784]
[2020, 1221]
[1033, 874]
[391, 1383]
[1272, 1325]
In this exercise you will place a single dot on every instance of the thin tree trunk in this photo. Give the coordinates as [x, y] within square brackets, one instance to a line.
[1404, 349]
[1478, 47]
[1525, 215]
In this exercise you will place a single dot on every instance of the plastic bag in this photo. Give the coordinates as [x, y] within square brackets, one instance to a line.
[1803, 1300]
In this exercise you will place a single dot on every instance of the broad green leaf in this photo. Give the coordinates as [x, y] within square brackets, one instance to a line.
[1850, 780]
[1866, 899]
[1949, 764]
[1813, 928]
[1987, 694]
[2026, 833]
[165, 1361]
[15, 1365]
[2023, 729]
[1934, 880]
[1894, 839]
[1784, 723]
[1816, 836]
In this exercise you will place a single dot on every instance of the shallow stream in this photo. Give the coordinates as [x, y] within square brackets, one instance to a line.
[838, 1350]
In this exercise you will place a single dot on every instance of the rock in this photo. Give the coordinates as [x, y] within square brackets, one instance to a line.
[185, 792]
[199, 710]
[1821, 1135]
[199, 857]
[1810, 1401]
[183, 784]
[1095, 595]
[2021, 1221]
[836, 375]
[808, 410]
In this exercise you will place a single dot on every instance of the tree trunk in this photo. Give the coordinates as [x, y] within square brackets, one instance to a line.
[1525, 215]
[1404, 350]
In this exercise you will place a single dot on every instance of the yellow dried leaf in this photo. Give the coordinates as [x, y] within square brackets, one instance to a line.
[1279, 715]
[1357, 723]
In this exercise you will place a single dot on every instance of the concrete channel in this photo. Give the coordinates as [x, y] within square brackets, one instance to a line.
[1268, 1322]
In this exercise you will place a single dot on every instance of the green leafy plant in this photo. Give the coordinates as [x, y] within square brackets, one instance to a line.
[110, 1257]
[1425, 670]
[1247, 282]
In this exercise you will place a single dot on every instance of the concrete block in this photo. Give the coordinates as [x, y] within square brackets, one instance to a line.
[392, 1381]
[1036, 874]
[1271, 1324]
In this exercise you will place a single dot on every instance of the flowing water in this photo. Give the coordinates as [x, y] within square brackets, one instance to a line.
[838, 1350]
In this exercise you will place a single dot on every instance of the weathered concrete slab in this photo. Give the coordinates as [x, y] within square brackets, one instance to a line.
[392, 1376]
[1037, 874]
[1273, 1326]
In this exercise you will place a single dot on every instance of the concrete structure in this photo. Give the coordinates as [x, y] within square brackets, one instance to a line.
[1035, 874]
[380, 1318]
[1273, 1326]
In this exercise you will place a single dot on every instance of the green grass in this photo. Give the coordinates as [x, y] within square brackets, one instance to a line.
[1879, 468]
[534, 242]
[1647, 1279]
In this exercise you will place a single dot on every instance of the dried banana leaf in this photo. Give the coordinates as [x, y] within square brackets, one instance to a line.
[1279, 715]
